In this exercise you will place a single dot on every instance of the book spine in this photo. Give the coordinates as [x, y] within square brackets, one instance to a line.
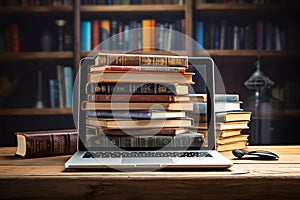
[186, 140]
[134, 88]
[68, 74]
[86, 37]
[105, 34]
[140, 60]
[114, 36]
[95, 33]
[200, 35]
[53, 93]
[14, 38]
[227, 98]
[259, 35]
[120, 114]
[146, 34]
[141, 68]
[60, 84]
[135, 98]
[43, 145]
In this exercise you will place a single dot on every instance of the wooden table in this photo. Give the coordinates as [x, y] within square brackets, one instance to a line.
[46, 178]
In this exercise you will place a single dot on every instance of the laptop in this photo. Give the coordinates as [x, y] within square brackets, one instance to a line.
[147, 158]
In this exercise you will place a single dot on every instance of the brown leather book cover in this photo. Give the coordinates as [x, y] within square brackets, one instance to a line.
[46, 143]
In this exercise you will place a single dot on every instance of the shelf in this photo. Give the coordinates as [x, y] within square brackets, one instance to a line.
[240, 7]
[132, 8]
[245, 53]
[34, 111]
[35, 9]
[37, 55]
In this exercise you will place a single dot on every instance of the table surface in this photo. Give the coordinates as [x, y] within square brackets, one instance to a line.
[279, 176]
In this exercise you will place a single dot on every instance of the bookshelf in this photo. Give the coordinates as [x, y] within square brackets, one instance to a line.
[31, 58]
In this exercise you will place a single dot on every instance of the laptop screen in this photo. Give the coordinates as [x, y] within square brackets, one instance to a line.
[143, 112]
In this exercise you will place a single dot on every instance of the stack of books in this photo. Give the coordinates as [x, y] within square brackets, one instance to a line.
[231, 120]
[139, 101]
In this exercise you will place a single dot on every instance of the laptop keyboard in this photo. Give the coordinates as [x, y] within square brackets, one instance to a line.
[137, 154]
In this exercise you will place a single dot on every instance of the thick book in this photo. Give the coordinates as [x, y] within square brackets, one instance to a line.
[102, 68]
[140, 60]
[140, 77]
[233, 116]
[218, 97]
[135, 132]
[136, 98]
[122, 123]
[185, 140]
[105, 32]
[137, 88]
[232, 139]
[228, 133]
[231, 146]
[201, 107]
[179, 106]
[68, 84]
[46, 143]
[221, 126]
[143, 114]
[95, 33]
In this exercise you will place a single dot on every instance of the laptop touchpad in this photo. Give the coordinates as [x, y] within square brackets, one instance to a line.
[147, 160]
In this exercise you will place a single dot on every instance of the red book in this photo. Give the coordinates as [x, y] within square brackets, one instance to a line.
[14, 38]
[46, 143]
[95, 33]
[259, 35]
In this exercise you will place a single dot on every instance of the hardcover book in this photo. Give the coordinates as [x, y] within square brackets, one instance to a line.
[140, 77]
[137, 88]
[46, 143]
[122, 123]
[179, 106]
[140, 60]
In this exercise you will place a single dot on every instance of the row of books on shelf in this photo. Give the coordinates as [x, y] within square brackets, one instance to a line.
[61, 88]
[223, 35]
[130, 2]
[146, 34]
[35, 2]
[287, 94]
[11, 39]
[240, 1]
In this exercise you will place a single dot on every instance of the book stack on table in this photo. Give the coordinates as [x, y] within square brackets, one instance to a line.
[138, 100]
[231, 120]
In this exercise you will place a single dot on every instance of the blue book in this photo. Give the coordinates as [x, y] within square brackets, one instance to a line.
[201, 107]
[218, 97]
[86, 36]
[68, 73]
[53, 93]
[200, 34]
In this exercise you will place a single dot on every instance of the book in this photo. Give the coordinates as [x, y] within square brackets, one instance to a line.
[140, 60]
[60, 85]
[137, 68]
[232, 125]
[185, 140]
[105, 32]
[138, 131]
[231, 146]
[53, 93]
[46, 143]
[218, 97]
[137, 97]
[200, 35]
[179, 106]
[95, 33]
[221, 126]
[146, 34]
[122, 123]
[86, 36]
[137, 88]
[228, 133]
[144, 114]
[231, 139]
[233, 116]
[201, 107]
[68, 84]
[140, 77]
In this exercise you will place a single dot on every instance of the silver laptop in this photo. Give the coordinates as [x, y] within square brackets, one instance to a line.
[204, 155]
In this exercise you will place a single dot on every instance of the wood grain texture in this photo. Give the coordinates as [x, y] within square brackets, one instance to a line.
[247, 179]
